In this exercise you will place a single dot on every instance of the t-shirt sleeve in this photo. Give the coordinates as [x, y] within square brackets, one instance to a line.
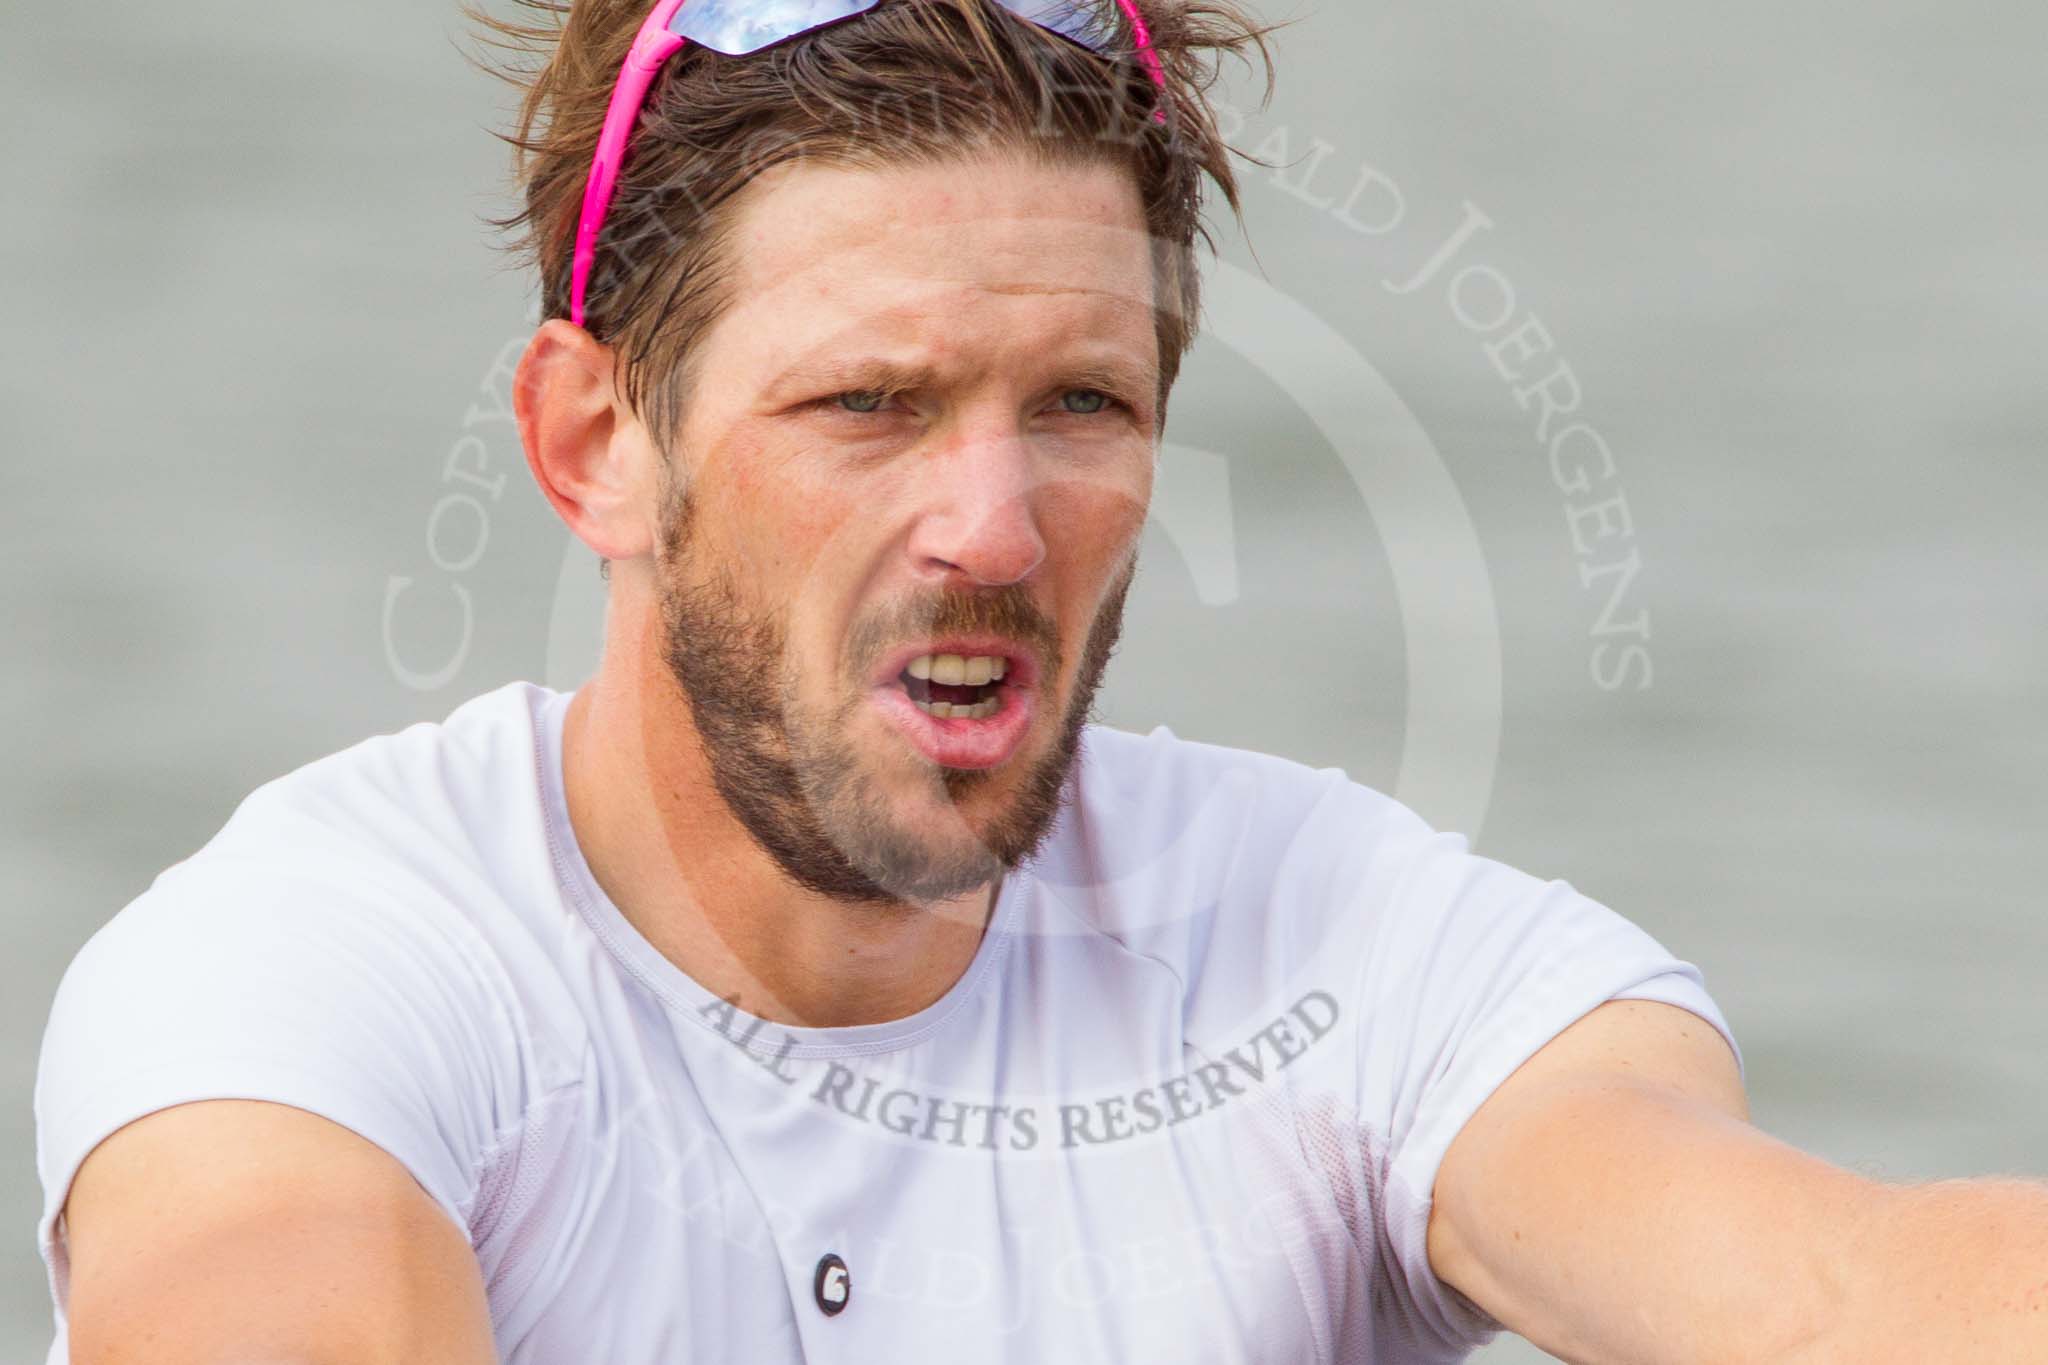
[238, 979]
[1472, 966]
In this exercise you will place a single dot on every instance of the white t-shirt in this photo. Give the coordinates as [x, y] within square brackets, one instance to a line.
[1187, 1104]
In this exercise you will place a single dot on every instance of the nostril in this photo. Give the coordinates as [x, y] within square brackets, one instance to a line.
[988, 545]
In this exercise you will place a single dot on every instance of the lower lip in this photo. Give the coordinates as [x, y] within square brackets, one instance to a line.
[960, 741]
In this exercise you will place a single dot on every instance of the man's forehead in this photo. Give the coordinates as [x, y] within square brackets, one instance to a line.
[943, 257]
[885, 305]
[1000, 225]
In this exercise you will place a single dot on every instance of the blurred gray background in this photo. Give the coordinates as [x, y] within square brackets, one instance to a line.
[1793, 256]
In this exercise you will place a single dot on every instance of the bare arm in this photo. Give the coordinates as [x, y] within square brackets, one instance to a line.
[1958, 1271]
[1611, 1203]
[236, 1230]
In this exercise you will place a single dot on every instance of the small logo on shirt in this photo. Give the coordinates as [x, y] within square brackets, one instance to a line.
[831, 1285]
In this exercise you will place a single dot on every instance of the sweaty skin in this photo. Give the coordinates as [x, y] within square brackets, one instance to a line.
[893, 436]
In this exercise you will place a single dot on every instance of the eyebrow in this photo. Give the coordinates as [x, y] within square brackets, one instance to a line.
[859, 374]
[878, 374]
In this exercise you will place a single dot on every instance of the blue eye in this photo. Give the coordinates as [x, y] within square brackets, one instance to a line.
[1085, 402]
[864, 400]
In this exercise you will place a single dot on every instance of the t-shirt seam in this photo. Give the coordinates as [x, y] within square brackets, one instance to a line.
[1414, 845]
[504, 1142]
[1319, 1327]
[1476, 1318]
[1088, 926]
[1178, 973]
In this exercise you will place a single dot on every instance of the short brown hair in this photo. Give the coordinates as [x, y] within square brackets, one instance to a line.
[910, 81]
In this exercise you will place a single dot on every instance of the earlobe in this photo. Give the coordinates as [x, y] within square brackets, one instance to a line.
[587, 452]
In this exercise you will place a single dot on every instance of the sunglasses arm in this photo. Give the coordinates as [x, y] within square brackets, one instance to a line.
[651, 51]
[1148, 55]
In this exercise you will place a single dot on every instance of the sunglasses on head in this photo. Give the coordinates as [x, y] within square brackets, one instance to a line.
[739, 27]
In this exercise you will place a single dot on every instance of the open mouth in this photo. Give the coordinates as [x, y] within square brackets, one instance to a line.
[964, 702]
[955, 687]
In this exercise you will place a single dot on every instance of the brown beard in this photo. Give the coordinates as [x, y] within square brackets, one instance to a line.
[795, 783]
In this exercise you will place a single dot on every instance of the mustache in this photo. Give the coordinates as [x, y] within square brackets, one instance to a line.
[1006, 611]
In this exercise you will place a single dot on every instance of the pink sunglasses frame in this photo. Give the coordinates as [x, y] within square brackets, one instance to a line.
[651, 50]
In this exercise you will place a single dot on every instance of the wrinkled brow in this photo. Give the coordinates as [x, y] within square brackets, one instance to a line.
[878, 374]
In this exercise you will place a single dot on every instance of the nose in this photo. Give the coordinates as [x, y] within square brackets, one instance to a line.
[978, 518]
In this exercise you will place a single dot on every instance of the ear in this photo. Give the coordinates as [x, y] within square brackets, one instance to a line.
[588, 452]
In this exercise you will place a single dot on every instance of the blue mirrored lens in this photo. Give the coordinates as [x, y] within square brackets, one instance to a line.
[1094, 26]
[737, 27]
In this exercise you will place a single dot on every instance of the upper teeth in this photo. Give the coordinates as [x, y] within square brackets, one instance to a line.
[956, 671]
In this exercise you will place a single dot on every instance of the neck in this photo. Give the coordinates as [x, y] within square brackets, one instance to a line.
[689, 877]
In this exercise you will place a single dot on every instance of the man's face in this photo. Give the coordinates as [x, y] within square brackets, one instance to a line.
[921, 439]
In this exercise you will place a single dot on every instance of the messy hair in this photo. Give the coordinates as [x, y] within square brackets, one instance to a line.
[911, 81]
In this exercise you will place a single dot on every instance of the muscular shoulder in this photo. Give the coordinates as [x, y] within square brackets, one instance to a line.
[435, 796]
[367, 939]
[402, 879]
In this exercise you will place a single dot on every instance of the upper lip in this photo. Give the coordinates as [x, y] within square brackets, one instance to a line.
[1021, 665]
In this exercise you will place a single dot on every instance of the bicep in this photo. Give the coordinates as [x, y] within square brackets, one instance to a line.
[1611, 1203]
[231, 1230]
